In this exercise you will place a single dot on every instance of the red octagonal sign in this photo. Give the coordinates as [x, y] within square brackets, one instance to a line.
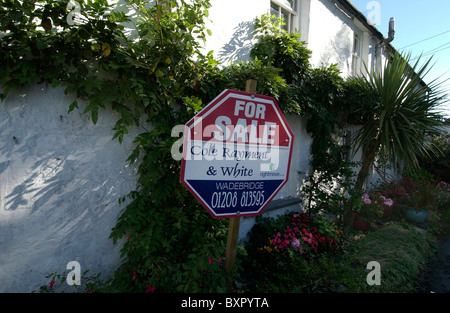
[236, 154]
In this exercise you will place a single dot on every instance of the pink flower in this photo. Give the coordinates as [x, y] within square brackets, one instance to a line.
[50, 286]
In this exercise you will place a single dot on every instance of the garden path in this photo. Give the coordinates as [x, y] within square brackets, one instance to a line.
[436, 277]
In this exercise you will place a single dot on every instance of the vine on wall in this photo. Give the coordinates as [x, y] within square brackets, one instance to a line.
[162, 79]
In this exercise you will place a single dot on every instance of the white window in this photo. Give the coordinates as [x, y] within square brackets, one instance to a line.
[287, 10]
[356, 60]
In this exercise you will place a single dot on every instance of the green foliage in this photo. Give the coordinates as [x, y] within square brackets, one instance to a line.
[359, 101]
[401, 251]
[235, 76]
[329, 102]
[281, 49]
[170, 237]
[404, 120]
[321, 90]
[438, 165]
[39, 45]
[327, 189]
[88, 283]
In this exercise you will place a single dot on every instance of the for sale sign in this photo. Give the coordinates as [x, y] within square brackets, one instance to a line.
[236, 154]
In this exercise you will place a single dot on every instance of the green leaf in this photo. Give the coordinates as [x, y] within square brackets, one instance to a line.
[72, 106]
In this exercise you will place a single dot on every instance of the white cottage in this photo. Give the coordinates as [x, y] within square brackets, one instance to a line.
[336, 33]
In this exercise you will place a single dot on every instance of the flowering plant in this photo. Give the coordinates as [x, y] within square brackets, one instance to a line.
[283, 253]
[422, 196]
[372, 205]
[398, 190]
[419, 194]
[304, 234]
[443, 186]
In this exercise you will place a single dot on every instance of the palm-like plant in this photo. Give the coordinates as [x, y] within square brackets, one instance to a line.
[405, 118]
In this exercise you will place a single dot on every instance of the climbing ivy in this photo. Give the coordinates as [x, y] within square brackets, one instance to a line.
[281, 49]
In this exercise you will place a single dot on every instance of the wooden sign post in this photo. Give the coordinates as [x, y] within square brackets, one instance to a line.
[233, 227]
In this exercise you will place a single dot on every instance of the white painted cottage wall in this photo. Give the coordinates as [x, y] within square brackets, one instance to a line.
[232, 28]
[330, 36]
[60, 181]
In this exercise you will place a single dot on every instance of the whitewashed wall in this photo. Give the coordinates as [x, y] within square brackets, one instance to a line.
[60, 179]
[231, 23]
[330, 36]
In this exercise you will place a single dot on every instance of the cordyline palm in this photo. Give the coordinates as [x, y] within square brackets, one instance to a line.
[404, 119]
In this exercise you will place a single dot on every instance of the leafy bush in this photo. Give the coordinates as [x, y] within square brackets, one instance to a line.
[278, 48]
[327, 188]
[439, 165]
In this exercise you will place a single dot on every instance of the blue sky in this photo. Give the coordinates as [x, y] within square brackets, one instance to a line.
[422, 27]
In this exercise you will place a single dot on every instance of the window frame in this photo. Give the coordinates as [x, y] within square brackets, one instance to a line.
[357, 52]
[292, 12]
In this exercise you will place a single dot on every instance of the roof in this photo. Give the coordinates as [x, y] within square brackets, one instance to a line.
[357, 14]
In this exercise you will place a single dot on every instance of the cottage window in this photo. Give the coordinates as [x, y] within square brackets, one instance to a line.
[287, 10]
[356, 60]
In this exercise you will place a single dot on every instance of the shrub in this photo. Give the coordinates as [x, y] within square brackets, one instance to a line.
[439, 165]
[419, 194]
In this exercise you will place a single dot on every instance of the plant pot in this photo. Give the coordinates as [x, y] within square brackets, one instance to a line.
[416, 216]
[360, 224]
